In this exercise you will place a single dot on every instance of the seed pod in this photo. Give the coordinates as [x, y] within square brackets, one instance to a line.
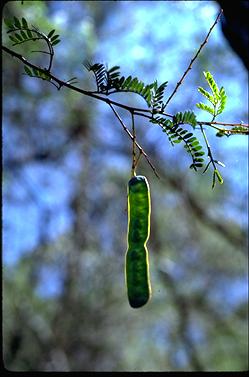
[137, 259]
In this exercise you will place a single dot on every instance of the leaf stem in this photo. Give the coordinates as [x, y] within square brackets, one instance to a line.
[133, 167]
[131, 136]
[208, 146]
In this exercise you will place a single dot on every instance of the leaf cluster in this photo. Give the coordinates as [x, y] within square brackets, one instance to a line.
[20, 31]
[177, 134]
[216, 173]
[157, 103]
[43, 74]
[38, 73]
[217, 97]
[109, 81]
[20, 28]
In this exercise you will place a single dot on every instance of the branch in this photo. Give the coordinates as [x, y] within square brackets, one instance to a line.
[193, 59]
[210, 124]
[132, 138]
[62, 83]
[147, 113]
[224, 124]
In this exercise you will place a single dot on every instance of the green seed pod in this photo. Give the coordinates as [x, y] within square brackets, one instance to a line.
[137, 259]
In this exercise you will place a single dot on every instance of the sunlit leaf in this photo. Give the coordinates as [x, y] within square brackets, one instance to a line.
[211, 82]
[204, 107]
[207, 95]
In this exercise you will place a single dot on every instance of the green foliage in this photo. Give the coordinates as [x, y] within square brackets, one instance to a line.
[216, 174]
[157, 99]
[55, 40]
[212, 84]
[23, 32]
[37, 73]
[100, 74]
[177, 134]
[217, 97]
[51, 33]
[222, 100]
[20, 32]
[188, 117]
[239, 130]
[134, 85]
[87, 324]
[207, 108]
[109, 81]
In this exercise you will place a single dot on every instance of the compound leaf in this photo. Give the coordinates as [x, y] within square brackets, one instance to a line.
[204, 107]
[211, 82]
[206, 94]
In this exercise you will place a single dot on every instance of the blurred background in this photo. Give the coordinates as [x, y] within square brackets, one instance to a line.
[66, 166]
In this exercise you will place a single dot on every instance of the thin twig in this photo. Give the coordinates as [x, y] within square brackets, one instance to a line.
[210, 124]
[132, 138]
[133, 167]
[224, 124]
[193, 59]
[207, 143]
[228, 132]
